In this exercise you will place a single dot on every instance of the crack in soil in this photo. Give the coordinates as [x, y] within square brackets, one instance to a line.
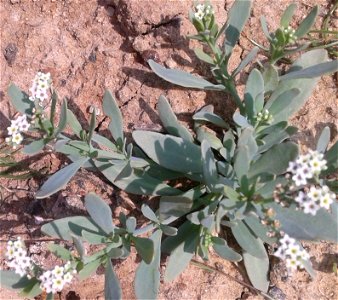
[164, 23]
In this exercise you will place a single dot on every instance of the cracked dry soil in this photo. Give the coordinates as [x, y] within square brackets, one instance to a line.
[89, 46]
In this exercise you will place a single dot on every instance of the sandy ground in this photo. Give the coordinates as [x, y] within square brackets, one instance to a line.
[90, 46]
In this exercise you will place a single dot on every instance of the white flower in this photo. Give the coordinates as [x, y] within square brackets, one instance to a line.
[293, 251]
[58, 271]
[23, 124]
[199, 15]
[314, 193]
[280, 253]
[292, 264]
[316, 165]
[310, 207]
[286, 240]
[301, 198]
[293, 167]
[68, 277]
[58, 285]
[13, 129]
[40, 87]
[17, 138]
[10, 252]
[326, 199]
[19, 253]
[200, 7]
[25, 262]
[299, 179]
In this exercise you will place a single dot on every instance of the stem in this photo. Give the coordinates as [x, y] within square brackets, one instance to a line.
[233, 91]
[225, 78]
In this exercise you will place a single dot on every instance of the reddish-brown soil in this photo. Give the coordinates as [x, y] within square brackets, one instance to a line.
[89, 46]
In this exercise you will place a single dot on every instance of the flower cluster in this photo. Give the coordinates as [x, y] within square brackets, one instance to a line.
[284, 36]
[306, 167]
[289, 34]
[40, 87]
[54, 281]
[20, 124]
[203, 11]
[290, 251]
[17, 257]
[316, 198]
[264, 117]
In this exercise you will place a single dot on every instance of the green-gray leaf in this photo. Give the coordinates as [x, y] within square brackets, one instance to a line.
[323, 140]
[112, 289]
[34, 147]
[254, 93]
[64, 228]
[89, 269]
[275, 160]
[248, 59]
[305, 85]
[148, 213]
[139, 182]
[203, 56]
[223, 250]
[60, 251]
[257, 268]
[182, 78]
[237, 17]
[181, 256]
[170, 121]
[145, 248]
[313, 71]
[305, 26]
[249, 242]
[59, 179]
[301, 226]
[63, 118]
[112, 110]
[170, 152]
[100, 212]
[20, 100]
[147, 278]
[287, 15]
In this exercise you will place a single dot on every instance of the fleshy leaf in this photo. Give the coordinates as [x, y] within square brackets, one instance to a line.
[223, 250]
[170, 152]
[59, 179]
[305, 85]
[147, 278]
[181, 256]
[238, 15]
[305, 26]
[182, 78]
[170, 121]
[287, 15]
[145, 248]
[34, 147]
[257, 268]
[20, 100]
[275, 160]
[64, 228]
[112, 288]
[247, 240]
[318, 70]
[112, 110]
[100, 212]
[301, 226]
[323, 140]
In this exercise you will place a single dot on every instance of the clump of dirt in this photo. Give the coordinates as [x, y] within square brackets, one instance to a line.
[90, 46]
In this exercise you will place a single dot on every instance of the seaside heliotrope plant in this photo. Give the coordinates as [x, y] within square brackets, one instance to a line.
[241, 179]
